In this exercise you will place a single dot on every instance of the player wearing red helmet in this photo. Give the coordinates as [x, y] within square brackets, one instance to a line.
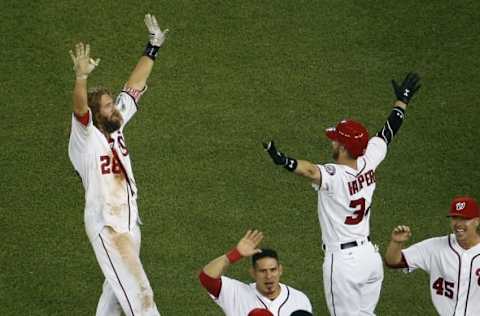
[352, 269]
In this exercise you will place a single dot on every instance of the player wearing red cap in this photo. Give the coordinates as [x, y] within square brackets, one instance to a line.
[352, 269]
[453, 261]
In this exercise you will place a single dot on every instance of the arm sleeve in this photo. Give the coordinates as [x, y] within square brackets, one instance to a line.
[81, 128]
[392, 125]
[231, 293]
[212, 285]
[127, 102]
[376, 151]
[418, 255]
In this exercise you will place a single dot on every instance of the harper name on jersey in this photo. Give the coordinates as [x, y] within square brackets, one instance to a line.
[365, 179]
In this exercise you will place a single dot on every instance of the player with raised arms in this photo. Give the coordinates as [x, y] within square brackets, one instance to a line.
[352, 268]
[99, 154]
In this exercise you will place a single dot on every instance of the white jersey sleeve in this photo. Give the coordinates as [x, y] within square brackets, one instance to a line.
[234, 296]
[79, 137]
[376, 151]
[327, 172]
[127, 102]
[80, 132]
[419, 255]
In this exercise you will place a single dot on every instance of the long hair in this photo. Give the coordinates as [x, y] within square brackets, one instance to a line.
[94, 96]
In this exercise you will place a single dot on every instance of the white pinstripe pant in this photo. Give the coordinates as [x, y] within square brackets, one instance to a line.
[126, 287]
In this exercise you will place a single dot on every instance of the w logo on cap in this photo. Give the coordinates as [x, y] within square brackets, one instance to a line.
[460, 206]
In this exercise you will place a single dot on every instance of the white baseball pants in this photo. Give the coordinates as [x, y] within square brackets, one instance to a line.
[352, 279]
[126, 287]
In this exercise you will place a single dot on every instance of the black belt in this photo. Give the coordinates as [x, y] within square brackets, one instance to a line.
[347, 245]
[351, 244]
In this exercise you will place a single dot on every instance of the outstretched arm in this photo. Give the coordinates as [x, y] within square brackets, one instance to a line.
[83, 66]
[403, 94]
[393, 255]
[141, 72]
[302, 168]
[211, 273]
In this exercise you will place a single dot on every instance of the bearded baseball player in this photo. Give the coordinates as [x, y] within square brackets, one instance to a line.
[266, 296]
[352, 269]
[99, 154]
[452, 261]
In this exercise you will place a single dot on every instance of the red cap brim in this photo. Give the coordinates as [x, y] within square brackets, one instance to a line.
[331, 133]
[462, 215]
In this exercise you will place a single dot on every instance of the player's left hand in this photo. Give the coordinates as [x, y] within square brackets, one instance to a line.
[401, 234]
[407, 89]
[157, 37]
[278, 157]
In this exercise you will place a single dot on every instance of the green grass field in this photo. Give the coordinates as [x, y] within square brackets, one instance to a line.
[232, 73]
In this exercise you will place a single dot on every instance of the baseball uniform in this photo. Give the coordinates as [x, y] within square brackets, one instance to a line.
[352, 269]
[454, 274]
[239, 299]
[110, 208]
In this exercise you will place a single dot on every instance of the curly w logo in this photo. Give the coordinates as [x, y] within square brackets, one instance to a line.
[460, 206]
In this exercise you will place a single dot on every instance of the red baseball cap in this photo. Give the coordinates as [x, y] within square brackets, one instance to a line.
[260, 312]
[351, 134]
[465, 207]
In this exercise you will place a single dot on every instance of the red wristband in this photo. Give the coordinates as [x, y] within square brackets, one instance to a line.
[233, 255]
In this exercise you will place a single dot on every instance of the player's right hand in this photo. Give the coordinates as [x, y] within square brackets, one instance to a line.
[407, 89]
[82, 63]
[278, 157]
[401, 233]
[247, 246]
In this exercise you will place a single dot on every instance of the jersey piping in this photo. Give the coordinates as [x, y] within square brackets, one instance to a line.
[281, 305]
[469, 282]
[459, 270]
[361, 170]
[284, 302]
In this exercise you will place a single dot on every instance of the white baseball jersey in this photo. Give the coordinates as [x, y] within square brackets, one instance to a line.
[352, 276]
[345, 196]
[110, 201]
[106, 172]
[454, 274]
[238, 299]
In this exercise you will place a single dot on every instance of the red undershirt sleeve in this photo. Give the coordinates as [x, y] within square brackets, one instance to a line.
[84, 118]
[212, 285]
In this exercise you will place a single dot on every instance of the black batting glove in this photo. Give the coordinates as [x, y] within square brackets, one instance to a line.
[407, 89]
[279, 158]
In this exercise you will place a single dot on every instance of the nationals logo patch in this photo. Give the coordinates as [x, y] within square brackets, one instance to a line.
[460, 206]
[330, 169]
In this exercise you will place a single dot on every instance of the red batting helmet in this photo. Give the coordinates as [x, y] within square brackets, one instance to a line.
[464, 206]
[351, 134]
[260, 312]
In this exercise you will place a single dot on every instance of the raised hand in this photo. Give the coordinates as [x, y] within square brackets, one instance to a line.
[82, 63]
[408, 88]
[247, 246]
[157, 37]
[401, 234]
[278, 157]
